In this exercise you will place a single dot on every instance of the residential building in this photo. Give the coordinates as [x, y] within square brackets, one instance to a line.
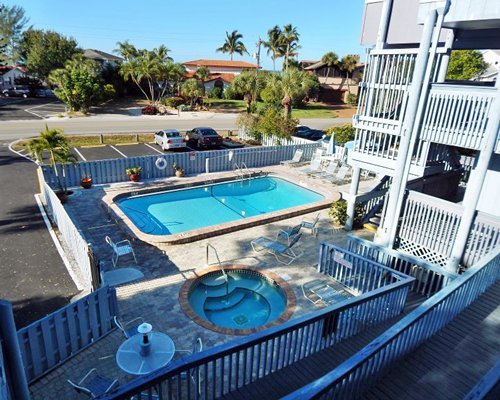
[492, 58]
[9, 74]
[102, 57]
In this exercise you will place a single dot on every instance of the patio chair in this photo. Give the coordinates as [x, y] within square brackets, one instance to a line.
[288, 233]
[93, 384]
[128, 328]
[340, 176]
[317, 291]
[197, 347]
[329, 170]
[311, 225]
[277, 248]
[120, 248]
[314, 166]
[295, 160]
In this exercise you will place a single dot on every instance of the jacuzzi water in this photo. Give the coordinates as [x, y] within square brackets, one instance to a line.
[183, 210]
[247, 300]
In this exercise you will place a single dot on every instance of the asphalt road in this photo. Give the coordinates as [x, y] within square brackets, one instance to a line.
[33, 276]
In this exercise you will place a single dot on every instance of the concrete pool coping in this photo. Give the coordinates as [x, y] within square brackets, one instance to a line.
[268, 275]
[110, 200]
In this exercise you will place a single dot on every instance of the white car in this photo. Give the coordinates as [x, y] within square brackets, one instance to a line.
[169, 139]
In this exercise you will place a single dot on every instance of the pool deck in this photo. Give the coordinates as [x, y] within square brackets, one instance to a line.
[167, 267]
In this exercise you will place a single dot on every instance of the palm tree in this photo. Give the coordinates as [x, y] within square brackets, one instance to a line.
[192, 89]
[126, 50]
[274, 44]
[233, 44]
[289, 40]
[348, 64]
[249, 85]
[53, 141]
[331, 59]
[202, 73]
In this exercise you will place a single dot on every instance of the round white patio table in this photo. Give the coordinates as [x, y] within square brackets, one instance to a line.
[136, 358]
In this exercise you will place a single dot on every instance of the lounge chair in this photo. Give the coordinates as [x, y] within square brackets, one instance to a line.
[120, 248]
[314, 166]
[295, 160]
[93, 384]
[311, 225]
[128, 328]
[288, 233]
[277, 248]
[329, 170]
[339, 176]
[317, 291]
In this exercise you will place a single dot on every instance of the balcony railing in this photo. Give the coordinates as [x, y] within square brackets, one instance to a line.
[457, 115]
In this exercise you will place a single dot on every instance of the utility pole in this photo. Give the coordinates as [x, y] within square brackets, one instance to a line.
[257, 55]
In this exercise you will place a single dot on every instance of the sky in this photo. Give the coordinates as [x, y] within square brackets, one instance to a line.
[194, 29]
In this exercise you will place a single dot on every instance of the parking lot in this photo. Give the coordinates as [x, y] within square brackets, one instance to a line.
[16, 108]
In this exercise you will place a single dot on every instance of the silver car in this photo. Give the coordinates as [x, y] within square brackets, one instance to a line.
[169, 139]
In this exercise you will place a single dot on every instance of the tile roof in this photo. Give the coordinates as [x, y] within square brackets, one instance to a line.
[6, 68]
[220, 63]
[100, 55]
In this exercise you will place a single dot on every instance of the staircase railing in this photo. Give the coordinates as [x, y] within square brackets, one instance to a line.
[360, 372]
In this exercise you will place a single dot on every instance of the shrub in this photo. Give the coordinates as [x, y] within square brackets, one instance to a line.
[343, 133]
[351, 99]
[172, 102]
[338, 213]
[215, 93]
[109, 92]
[150, 110]
[230, 94]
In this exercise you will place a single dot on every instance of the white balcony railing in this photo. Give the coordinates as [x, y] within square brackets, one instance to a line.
[457, 115]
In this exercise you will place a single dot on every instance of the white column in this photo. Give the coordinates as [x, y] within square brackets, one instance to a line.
[383, 26]
[474, 187]
[351, 201]
[383, 236]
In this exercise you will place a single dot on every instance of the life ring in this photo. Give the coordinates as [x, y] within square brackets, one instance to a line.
[161, 163]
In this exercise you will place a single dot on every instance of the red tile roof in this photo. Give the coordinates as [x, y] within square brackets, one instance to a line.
[220, 64]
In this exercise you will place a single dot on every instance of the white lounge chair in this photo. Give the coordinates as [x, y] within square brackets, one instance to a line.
[314, 166]
[120, 248]
[311, 225]
[277, 248]
[318, 290]
[295, 160]
[128, 328]
[339, 176]
[329, 170]
[93, 384]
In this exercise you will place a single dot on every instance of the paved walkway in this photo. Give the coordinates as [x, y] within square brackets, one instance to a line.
[165, 269]
[33, 277]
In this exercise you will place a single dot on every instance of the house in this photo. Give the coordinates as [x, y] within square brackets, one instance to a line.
[335, 83]
[222, 71]
[492, 57]
[102, 57]
[9, 74]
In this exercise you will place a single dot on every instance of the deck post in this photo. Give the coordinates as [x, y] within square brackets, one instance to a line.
[475, 185]
[383, 27]
[351, 201]
[396, 193]
[14, 369]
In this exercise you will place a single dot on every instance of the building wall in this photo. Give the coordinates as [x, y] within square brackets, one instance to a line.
[214, 70]
[490, 193]
[7, 80]
[211, 84]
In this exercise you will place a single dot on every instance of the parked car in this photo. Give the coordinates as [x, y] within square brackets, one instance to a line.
[204, 137]
[44, 93]
[17, 91]
[169, 139]
[305, 132]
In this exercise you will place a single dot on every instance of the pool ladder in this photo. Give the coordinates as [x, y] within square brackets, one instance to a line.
[209, 246]
[241, 170]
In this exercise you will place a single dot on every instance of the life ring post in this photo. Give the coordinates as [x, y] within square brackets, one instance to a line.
[161, 163]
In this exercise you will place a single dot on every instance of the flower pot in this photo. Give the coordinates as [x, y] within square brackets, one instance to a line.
[135, 177]
[86, 183]
[179, 173]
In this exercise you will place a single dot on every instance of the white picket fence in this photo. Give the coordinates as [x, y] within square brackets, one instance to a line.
[275, 140]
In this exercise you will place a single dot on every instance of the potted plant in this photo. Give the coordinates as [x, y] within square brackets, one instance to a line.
[179, 171]
[86, 181]
[134, 173]
[54, 141]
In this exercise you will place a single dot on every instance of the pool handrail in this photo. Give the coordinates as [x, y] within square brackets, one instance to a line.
[209, 246]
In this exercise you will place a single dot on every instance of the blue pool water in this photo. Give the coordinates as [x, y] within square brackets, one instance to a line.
[183, 210]
[248, 300]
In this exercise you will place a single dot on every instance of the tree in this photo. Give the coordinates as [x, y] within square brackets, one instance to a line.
[233, 44]
[53, 141]
[192, 89]
[44, 51]
[79, 84]
[126, 50]
[290, 43]
[331, 59]
[12, 23]
[348, 65]
[274, 44]
[202, 73]
[248, 84]
[465, 65]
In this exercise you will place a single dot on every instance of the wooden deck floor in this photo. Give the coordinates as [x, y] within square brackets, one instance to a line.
[291, 378]
[449, 364]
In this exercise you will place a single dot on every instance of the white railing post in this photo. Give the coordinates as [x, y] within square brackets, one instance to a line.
[351, 201]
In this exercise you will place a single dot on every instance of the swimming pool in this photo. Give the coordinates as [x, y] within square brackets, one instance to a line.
[178, 211]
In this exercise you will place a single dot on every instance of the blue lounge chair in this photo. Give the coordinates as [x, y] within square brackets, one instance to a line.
[288, 233]
[278, 249]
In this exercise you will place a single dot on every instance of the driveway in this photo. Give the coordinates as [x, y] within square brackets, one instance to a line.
[15, 108]
[33, 276]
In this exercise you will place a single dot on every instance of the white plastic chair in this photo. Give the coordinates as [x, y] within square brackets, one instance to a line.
[121, 248]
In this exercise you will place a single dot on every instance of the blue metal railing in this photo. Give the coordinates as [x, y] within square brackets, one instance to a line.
[429, 278]
[230, 366]
[357, 374]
